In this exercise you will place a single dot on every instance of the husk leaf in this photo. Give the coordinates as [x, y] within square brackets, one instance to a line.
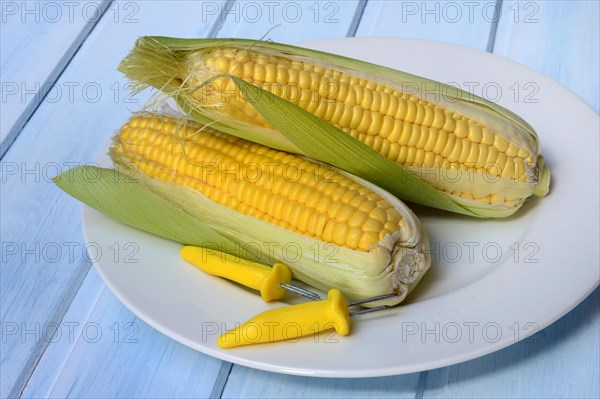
[126, 200]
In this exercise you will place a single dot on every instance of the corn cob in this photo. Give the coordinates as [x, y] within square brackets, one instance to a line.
[370, 243]
[482, 156]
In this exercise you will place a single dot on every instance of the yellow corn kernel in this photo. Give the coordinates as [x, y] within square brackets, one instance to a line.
[334, 209]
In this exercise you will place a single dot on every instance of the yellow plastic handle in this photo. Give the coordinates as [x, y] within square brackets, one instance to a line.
[253, 275]
[290, 322]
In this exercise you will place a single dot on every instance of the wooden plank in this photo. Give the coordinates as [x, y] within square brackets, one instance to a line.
[560, 361]
[43, 37]
[289, 22]
[117, 355]
[44, 261]
[559, 39]
[464, 23]
[248, 383]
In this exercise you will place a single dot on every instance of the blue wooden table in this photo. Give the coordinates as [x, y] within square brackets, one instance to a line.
[64, 334]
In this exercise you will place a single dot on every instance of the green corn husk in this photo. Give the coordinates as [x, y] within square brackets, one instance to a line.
[173, 66]
[127, 200]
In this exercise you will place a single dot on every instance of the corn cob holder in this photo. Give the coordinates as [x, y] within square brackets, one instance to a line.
[433, 144]
[272, 282]
[273, 325]
[306, 319]
[346, 232]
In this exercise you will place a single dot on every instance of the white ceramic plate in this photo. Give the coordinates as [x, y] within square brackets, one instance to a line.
[493, 283]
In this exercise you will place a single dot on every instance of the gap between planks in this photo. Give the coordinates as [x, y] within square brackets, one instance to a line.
[494, 27]
[421, 385]
[360, 10]
[221, 381]
[57, 318]
[221, 20]
[53, 77]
